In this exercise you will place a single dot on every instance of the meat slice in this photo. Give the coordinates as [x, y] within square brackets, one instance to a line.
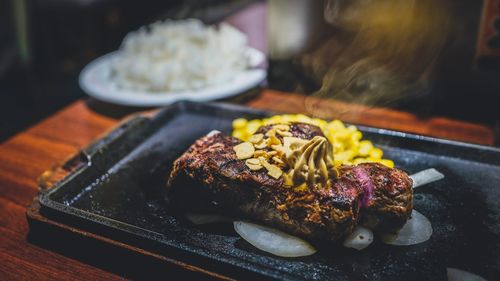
[387, 195]
[387, 199]
[209, 178]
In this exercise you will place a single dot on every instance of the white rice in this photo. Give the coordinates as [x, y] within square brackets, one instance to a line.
[179, 56]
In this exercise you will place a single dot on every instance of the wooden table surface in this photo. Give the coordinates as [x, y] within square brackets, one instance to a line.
[24, 157]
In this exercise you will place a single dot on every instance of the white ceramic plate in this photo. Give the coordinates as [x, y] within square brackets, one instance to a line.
[95, 81]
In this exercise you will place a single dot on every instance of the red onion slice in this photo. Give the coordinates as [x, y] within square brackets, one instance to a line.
[273, 241]
[199, 219]
[426, 177]
[455, 274]
[417, 230]
[359, 239]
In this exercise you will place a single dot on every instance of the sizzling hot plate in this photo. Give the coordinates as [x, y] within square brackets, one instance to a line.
[119, 194]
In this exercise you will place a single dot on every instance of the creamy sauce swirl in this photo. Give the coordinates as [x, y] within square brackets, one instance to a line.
[310, 162]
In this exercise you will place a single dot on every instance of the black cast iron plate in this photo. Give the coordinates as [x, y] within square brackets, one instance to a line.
[118, 194]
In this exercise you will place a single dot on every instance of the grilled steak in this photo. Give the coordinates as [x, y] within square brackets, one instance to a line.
[387, 199]
[209, 178]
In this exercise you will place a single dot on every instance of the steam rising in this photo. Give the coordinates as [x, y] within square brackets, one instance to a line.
[383, 50]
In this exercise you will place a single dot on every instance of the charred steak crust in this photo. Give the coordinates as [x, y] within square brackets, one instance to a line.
[209, 178]
[389, 205]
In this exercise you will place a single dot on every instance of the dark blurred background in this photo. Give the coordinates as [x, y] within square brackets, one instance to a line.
[45, 43]
[451, 57]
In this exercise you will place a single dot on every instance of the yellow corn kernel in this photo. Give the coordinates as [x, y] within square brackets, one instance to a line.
[303, 118]
[275, 119]
[344, 155]
[253, 126]
[359, 161]
[364, 147]
[319, 122]
[376, 153]
[338, 123]
[239, 134]
[355, 150]
[341, 135]
[356, 136]
[331, 140]
[285, 118]
[348, 146]
[338, 147]
[352, 128]
[387, 162]
[239, 123]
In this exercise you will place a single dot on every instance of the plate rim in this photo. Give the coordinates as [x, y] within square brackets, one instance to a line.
[155, 99]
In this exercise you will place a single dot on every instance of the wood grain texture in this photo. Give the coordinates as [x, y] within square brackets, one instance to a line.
[24, 157]
[434, 126]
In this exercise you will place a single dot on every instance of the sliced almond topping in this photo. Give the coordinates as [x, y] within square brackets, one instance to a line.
[280, 155]
[253, 161]
[272, 153]
[244, 150]
[263, 161]
[253, 167]
[274, 171]
[278, 148]
[271, 132]
[256, 138]
[258, 153]
[273, 140]
[253, 164]
[278, 161]
[284, 133]
[281, 127]
[261, 145]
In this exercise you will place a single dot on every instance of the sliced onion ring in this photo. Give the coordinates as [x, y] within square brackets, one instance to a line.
[206, 218]
[455, 274]
[213, 133]
[359, 239]
[426, 177]
[417, 230]
[273, 241]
